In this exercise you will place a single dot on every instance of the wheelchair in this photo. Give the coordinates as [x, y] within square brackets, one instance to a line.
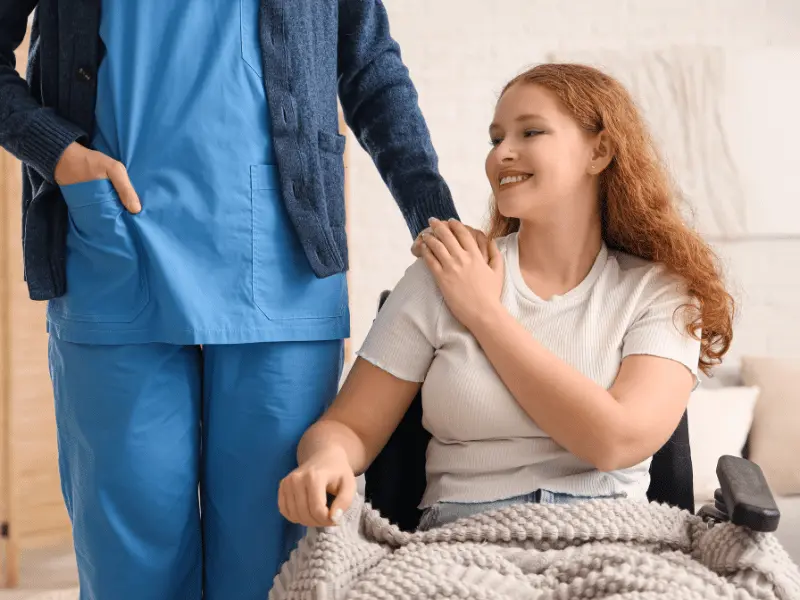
[395, 481]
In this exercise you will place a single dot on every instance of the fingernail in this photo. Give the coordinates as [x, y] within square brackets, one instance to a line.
[337, 516]
[433, 220]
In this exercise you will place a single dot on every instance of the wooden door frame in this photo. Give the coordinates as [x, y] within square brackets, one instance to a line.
[9, 544]
[343, 129]
[10, 185]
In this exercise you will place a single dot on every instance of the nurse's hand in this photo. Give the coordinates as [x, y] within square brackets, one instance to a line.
[477, 234]
[79, 164]
[302, 495]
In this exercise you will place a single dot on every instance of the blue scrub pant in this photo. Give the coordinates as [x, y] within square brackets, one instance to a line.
[143, 428]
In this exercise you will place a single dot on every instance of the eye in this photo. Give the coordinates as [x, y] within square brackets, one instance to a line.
[532, 132]
[495, 141]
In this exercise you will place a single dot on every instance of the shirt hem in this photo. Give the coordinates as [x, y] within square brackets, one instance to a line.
[278, 332]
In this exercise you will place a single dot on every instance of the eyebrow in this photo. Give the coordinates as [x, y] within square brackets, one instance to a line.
[525, 117]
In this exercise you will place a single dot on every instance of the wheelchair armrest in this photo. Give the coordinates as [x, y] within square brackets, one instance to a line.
[744, 495]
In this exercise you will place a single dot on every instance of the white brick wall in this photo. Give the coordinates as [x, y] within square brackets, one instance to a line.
[461, 52]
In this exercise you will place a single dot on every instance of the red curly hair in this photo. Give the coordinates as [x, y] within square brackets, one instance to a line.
[638, 204]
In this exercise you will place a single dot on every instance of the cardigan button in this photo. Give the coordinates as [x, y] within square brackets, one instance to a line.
[83, 74]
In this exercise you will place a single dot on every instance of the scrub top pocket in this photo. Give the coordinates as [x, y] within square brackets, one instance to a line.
[105, 281]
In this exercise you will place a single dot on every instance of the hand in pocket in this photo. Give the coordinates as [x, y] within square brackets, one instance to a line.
[79, 164]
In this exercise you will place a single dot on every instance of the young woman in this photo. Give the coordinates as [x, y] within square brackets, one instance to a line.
[554, 371]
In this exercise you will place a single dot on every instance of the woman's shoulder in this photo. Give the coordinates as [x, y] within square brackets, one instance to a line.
[631, 264]
[645, 275]
[504, 242]
[417, 282]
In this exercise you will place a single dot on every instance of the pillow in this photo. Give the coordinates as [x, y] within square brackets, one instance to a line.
[725, 375]
[775, 439]
[719, 422]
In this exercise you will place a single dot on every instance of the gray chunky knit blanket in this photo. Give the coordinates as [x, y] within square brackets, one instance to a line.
[599, 549]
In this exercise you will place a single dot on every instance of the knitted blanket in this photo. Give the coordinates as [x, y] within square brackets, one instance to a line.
[599, 549]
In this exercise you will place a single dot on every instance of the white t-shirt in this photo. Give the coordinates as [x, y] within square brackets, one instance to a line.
[484, 446]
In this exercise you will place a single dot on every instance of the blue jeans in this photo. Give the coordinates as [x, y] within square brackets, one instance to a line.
[443, 513]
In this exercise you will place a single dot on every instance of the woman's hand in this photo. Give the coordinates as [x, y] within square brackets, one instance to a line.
[471, 286]
[477, 234]
[302, 495]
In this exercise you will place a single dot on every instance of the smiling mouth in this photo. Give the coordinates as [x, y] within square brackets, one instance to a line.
[510, 180]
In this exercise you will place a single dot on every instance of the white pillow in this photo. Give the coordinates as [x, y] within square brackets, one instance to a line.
[719, 422]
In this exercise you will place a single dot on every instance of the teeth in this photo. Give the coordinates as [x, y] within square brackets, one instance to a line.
[513, 179]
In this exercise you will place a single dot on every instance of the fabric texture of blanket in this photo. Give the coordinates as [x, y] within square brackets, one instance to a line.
[597, 549]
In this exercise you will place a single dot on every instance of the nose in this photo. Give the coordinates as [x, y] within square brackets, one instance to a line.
[505, 152]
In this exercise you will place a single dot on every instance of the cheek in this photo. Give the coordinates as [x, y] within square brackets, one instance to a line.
[560, 169]
[490, 168]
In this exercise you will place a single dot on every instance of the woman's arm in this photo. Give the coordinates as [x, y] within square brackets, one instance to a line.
[402, 341]
[363, 417]
[611, 429]
[342, 443]
[392, 363]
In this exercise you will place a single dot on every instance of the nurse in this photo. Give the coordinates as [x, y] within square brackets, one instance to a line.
[197, 328]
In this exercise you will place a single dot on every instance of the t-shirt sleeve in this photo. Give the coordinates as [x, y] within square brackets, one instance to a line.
[659, 328]
[404, 336]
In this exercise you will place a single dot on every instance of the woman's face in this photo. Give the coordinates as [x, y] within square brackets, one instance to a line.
[541, 162]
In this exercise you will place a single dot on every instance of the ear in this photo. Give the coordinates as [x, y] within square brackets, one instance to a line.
[602, 153]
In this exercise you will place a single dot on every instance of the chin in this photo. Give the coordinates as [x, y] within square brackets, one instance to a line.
[512, 207]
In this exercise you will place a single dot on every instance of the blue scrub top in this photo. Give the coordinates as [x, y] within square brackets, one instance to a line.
[213, 257]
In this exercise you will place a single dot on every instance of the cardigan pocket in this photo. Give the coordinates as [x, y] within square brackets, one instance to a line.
[284, 286]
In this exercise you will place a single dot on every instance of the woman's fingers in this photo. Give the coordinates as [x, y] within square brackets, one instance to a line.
[431, 261]
[466, 238]
[345, 492]
[442, 232]
[317, 499]
[301, 505]
[286, 502]
[482, 242]
[439, 250]
[281, 501]
[303, 497]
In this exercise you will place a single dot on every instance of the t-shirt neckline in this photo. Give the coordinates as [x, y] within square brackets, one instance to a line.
[579, 290]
